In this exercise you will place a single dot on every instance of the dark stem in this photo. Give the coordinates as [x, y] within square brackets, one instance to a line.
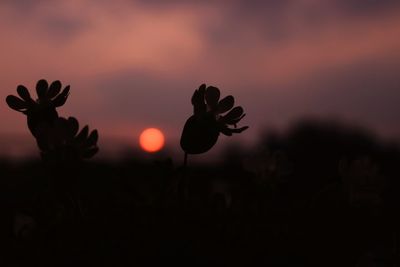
[185, 161]
[182, 183]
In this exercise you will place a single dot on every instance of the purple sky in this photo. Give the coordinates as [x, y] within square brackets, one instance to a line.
[135, 64]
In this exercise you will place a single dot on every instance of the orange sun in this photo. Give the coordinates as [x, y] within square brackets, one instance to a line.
[151, 140]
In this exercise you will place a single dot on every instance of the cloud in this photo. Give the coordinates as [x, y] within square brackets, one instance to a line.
[367, 6]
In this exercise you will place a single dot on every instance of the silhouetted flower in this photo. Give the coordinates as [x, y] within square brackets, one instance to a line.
[63, 140]
[43, 109]
[202, 129]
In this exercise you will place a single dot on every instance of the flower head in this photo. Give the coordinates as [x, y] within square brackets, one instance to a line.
[64, 140]
[202, 129]
[43, 109]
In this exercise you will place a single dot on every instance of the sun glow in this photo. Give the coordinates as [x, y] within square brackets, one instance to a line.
[151, 140]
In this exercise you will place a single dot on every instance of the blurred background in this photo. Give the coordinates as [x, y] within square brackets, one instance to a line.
[135, 64]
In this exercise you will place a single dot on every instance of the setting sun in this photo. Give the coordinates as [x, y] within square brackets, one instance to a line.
[151, 140]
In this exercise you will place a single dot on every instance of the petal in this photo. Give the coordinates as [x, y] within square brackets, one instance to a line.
[202, 89]
[61, 98]
[16, 103]
[82, 136]
[41, 88]
[234, 114]
[199, 106]
[225, 104]
[212, 97]
[92, 139]
[239, 130]
[90, 152]
[24, 93]
[198, 96]
[226, 131]
[229, 131]
[235, 121]
[73, 126]
[54, 89]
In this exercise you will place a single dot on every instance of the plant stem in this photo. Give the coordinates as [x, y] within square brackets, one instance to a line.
[182, 182]
[185, 161]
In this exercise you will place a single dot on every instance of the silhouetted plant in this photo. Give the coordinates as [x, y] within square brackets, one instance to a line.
[42, 111]
[57, 137]
[202, 129]
[64, 142]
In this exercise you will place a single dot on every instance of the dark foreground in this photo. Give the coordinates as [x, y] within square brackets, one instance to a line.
[316, 196]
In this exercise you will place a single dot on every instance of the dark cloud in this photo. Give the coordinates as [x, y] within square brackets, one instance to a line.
[270, 17]
[63, 27]
[22, 6]
[273, 5]
[275, 21]
[239, 7]
[367, 6]
[55, 23]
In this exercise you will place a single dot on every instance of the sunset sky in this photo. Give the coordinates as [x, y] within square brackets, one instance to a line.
[135, 64]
